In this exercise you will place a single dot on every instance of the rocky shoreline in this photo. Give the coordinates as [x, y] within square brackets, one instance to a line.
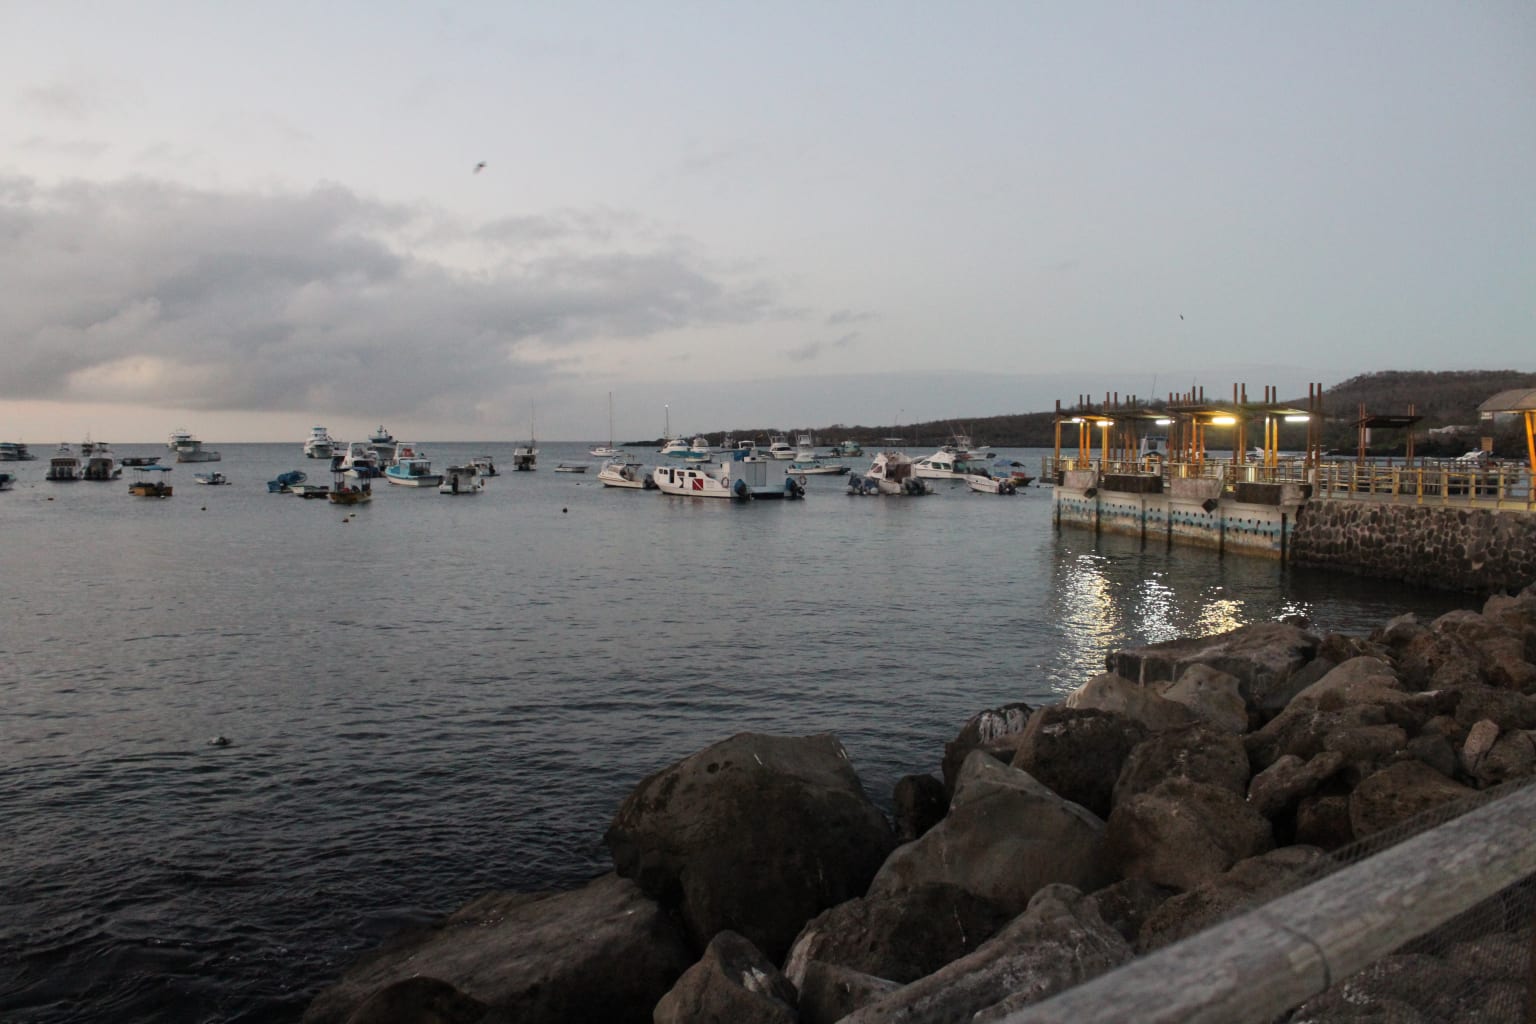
[756, 882]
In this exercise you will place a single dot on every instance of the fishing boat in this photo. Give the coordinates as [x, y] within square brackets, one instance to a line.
[741, 479]
[630, 475]
[606, 451]
[285, 482]
[15, 451]
[320, 444]
[461, 480]
[526, 457]
[484, 465]
[411, 468]
[347, 489]
[214, 479]
[778, 448]
[100, 464]
[891, 473]
[149, 481]
[848, 448]
[64, 466]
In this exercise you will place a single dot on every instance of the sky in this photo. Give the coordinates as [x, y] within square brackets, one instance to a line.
[247, 219]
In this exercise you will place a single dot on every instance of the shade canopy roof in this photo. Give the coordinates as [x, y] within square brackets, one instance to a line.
[1516, 400]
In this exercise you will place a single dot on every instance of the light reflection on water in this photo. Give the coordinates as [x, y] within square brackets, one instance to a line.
[441, 696]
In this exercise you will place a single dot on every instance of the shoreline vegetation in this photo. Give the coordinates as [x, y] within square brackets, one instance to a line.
[756, 881]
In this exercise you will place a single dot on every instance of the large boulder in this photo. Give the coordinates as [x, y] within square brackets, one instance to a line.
[1078, 753]
[1303, 731]
[1397, 793]
[1433, 660]
[1363, 680]
[1200, 753]
[900, 936]
[828, 993]
[1281, 786]
[1262, 656]
[602, 952]
[419, 1001]
[1141, 704]
[1182, 833]
[1058, 941]
[1213, 696]
[1503, 659]
[732, 982]
[918, 803]
[756, 834]
[1247, 883]
[996, 730]
[1005, 837]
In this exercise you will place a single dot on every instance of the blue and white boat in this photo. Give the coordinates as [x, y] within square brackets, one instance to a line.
[411, 468]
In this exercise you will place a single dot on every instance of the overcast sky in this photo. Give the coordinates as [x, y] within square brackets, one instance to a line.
[249, 218]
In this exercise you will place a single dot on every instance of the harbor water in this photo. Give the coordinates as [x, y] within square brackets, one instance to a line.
[428, 697]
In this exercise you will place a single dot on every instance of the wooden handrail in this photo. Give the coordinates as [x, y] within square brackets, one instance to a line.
[1276, 956]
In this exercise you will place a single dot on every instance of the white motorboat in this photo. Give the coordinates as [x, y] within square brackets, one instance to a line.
[320, 445]
[700, 448]
[891, 473]
[189, 448]
[100, 463]
[484, 465]
[815, 465]
[631, 475]
[64, 466]
[676, 448]
[985, 483]
[778, 448]
[847, 449]
[945, 464]
[741, 479]
[461, 480]
[214, 479]
[358, 460]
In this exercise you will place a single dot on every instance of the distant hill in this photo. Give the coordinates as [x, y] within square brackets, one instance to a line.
[1443, 398]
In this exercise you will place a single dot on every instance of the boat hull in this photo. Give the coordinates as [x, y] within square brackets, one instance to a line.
[429, 480]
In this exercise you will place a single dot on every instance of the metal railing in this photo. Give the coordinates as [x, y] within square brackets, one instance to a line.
[1423, 482]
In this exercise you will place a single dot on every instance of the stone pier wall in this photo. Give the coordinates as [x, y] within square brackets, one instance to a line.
[1473, 550]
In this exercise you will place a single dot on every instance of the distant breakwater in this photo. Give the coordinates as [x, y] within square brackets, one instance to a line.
[756, 881]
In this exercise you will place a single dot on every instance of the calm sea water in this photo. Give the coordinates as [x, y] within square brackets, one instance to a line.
[440, 696]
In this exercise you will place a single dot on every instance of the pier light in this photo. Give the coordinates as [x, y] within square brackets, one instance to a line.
[1164, 423]
[1075, 419]
[1106, 424]
[1223, 421]
[1298, 418]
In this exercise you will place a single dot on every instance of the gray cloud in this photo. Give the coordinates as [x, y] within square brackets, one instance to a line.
[810, 350]
[142, 290]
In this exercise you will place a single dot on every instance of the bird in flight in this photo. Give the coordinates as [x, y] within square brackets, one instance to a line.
[479, 167]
